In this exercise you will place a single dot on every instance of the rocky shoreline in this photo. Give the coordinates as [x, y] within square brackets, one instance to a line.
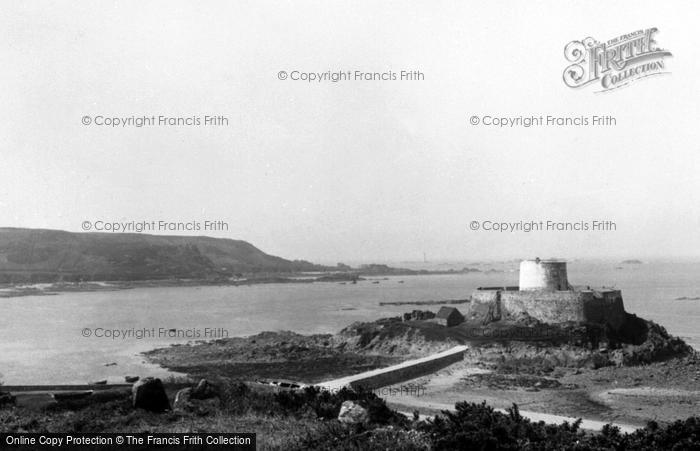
[524, 340]
[568, 370]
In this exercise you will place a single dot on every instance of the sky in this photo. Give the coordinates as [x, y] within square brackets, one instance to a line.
[353, 170]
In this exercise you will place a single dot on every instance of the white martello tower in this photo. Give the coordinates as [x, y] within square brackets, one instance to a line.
[547, 275]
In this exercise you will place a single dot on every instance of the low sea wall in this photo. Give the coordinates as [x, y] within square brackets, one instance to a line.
[401, 372]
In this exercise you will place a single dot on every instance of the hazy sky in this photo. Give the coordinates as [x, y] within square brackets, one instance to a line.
[358, 170]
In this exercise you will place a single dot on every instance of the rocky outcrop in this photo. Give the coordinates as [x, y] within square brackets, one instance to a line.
[394, 337]
[657, 345]
[583, 346]
[523, 338]
[149, 394]
[418, 315]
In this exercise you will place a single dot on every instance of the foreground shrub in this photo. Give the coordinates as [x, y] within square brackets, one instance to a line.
[332, 436]
[479, 427]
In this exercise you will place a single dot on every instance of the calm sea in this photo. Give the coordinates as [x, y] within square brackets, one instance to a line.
[42, 337]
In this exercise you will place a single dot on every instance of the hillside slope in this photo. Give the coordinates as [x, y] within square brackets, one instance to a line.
[35, 255]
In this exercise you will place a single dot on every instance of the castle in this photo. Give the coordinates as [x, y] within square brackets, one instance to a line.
[544, 293]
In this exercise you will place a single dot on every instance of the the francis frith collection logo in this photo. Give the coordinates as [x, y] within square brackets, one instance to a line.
[614, 63]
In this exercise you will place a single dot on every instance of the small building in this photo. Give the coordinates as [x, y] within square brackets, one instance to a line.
[449, 316]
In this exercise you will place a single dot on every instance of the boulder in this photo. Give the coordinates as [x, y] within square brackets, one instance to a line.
[617, 357]
[205, 390]
[131, 379]
[352, 413]
[149, 394]
[185, 401]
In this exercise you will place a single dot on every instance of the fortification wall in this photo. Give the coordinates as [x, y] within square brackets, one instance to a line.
[605, 307]
[549, 306]
[484, 296]
[546, 306]
[484, 304]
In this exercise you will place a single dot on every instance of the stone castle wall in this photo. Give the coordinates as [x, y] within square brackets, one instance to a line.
[548, 306]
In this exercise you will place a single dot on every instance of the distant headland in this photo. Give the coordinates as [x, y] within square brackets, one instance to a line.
[73, 261]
